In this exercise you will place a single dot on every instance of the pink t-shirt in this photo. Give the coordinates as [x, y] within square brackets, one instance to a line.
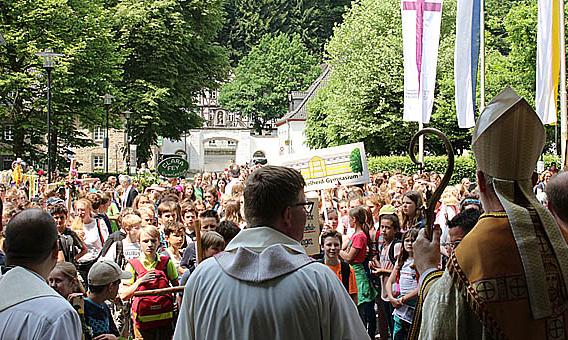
[359, 241]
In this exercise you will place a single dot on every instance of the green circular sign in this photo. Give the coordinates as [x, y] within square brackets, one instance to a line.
[173, 167]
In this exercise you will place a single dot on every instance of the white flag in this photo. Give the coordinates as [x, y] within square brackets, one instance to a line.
[466, 57]
[547, 59]
[421, 37]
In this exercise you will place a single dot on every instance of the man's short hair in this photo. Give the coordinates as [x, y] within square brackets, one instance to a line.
[210, 214]
[331, 233]
[235, 171]
[466, 219]
[58, 209]
[268, 191]
[168, 206]
[31, 236]
[557, 194]
[228, 229]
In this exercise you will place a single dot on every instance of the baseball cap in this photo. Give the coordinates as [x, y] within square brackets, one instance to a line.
[105, 272]
[387, 209]
[54, 201]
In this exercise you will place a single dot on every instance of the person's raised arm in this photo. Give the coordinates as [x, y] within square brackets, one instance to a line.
[349, 254]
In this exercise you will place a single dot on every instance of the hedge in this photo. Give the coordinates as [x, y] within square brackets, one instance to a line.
[464, 165]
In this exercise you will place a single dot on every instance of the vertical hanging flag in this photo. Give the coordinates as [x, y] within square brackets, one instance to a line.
[547, 59]
[421, 37]
[466, 58]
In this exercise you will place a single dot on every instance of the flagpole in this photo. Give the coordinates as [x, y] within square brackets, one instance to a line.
[421, 144]
[563, 117]
[482, 57]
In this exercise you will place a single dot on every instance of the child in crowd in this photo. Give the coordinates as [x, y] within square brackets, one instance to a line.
[389, 248]
[189, 218]
[212, 243]
[356, 254]
[71, 247]
[175, 235]
[147, 214]
[150, 271]
[405, 278]
[122, 251]
[104, 282]
[168, 211]
[64, 279]
[331, 245]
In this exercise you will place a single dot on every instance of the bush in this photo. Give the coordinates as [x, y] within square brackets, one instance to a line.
[464, 165]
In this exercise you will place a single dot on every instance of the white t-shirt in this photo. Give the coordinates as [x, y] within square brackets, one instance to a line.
[93, 232]
[130, 251]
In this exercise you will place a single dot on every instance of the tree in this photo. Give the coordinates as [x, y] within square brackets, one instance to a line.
[263, 79]
[363, 98]
[79, 30]
[171, 57]
[355, 161]
[249, 20]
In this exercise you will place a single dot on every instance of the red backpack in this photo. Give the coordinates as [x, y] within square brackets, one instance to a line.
[156, 310]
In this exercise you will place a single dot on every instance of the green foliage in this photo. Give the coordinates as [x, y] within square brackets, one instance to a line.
[153, 56]
[263, 79]
[355, 161]
[249, 20]
[171, 57]
[363, 99]
[464, 166]
[78, 29]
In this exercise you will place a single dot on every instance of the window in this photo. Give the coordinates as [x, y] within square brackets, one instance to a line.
[98, 162]
[212, 142]
[98, 134]
[8, 133]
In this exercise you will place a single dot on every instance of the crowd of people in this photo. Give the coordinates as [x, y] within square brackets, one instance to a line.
[148, 238]
[101, 249]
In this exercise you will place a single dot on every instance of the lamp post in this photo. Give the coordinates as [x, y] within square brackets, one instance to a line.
[127, 140]
[107, 99]
[48, 65]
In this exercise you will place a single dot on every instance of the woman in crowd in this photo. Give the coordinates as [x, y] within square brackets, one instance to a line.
[233, 213]
[221, 184]
[92, 231]
[412, 211]
[356, 255]
[142, 199]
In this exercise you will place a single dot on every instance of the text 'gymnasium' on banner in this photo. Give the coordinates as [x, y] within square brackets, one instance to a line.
[325, 168]
[312, 229]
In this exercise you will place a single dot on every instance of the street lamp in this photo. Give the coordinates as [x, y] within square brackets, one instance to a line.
[48, 65]
[127, 114]
[107, 99]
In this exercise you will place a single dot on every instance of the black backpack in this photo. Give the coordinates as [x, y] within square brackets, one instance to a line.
[66, 246]
[345, 272]
[392, 258]
[117, 238]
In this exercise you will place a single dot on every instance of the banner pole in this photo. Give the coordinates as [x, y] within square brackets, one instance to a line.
[482, 57]
[563, 117]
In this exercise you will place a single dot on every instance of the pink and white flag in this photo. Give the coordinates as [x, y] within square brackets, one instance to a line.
[421, 21]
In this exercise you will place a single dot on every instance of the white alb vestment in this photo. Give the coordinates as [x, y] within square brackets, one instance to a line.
[31, 310]
[264, 286]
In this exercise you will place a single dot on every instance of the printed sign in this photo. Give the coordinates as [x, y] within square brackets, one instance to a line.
[325, 168]
[312, 229]
[173, 167]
